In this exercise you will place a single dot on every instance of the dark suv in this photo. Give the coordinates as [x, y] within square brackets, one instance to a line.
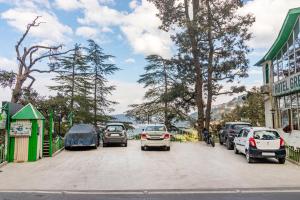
[229, 131]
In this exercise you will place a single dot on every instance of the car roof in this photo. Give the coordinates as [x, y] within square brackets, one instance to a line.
[238, 123]
[114, 124]
[258, 128]
[154, 125]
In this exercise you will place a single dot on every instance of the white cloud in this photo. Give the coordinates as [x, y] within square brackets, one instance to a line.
[67, 5]
[129, 61]
[51, 30]
[133, 4]
[86, 32]
[121, 95]
[270, 15]
[7, 64]
[140, 27]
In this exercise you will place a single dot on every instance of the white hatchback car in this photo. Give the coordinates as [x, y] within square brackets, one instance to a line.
[155, 135]
[260, 142]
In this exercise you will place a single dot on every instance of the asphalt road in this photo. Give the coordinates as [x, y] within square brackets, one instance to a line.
[194, 196]
[186, 166]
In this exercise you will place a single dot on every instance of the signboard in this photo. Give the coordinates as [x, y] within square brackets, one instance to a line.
[287, 85]
[20, 128]
[3, 118]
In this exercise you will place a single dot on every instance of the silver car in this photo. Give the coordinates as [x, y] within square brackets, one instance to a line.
[155, 135]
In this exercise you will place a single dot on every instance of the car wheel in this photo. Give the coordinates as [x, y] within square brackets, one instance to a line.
[125, 144]
[142, 148]
[249, 159]
[220, 140]
[281, 160]
[235, 150]
[228, 145]
[167, 148]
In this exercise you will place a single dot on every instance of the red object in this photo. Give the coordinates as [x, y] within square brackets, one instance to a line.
[143, 136]
[252, 142]
[166, 136]
[281, 142]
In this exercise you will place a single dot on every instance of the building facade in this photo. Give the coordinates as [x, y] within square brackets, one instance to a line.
[281, 78]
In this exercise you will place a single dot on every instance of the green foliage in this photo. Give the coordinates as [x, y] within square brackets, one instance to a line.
[7, 78]
[252, 109]
[100, 68]
[168, 95]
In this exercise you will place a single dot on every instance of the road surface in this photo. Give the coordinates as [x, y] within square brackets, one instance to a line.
[186, 166]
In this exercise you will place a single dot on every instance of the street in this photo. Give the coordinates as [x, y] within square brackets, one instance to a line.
[168, 196]
[186, 166]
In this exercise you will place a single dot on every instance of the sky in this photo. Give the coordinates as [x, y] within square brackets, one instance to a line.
[127, 29]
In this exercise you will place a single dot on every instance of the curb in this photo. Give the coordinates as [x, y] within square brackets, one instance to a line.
[58, 151]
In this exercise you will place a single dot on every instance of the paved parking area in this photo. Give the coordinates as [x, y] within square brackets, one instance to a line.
[186, 166]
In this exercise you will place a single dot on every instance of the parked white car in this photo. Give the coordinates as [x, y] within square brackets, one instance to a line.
[155, 135]
[260, 142]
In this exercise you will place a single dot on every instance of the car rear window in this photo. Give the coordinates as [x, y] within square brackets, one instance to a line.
[113, 128]
[266, 135]
[240, 126]
[155, 128]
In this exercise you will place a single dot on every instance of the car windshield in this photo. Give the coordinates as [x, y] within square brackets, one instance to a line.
[155, 128]
[114, 128]
[266, 135]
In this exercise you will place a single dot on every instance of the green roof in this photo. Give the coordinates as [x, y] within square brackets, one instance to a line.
[283, 35]
[28, 112]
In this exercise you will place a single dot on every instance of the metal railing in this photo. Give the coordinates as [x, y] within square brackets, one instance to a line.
[293, 154]
[2, 153]
[58, 143]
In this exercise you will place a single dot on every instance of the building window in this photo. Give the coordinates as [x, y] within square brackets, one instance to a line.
[285, 61]
[291, 54]
[280, 66]
[267, 73]
[295, 114]
[297, 45]
[275, 70]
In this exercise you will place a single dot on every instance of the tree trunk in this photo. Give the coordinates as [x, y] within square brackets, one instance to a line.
[73, 84]
[198, 68]
[166, 117]
[210, 67]
[95, 97]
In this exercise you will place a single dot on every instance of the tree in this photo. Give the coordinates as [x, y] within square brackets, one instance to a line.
[252, 109]
[27, 60]
[100, 69]
[167, 97]
[73, 82]
[213, 35]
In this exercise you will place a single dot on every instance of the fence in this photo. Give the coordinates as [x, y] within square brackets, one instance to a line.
[58, 143]
[2, 153]
[293, 154]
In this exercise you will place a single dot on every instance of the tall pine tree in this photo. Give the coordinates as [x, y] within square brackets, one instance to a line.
[100, 68]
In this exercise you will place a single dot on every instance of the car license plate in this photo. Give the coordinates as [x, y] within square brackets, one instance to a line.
[268, 153]
[114, 135]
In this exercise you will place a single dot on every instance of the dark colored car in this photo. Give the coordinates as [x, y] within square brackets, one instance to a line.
[82, 135]
[114, 133]
[229, 131]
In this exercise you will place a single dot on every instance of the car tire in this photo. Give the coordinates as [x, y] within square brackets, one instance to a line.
[235, 150]
[142, 148]
[125, 144]
[249, 159]
[281, 160]
[228, 145]
[104, 144]
[220, 140]
[167, 148]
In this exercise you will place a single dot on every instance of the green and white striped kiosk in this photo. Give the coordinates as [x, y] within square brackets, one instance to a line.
[26, 135]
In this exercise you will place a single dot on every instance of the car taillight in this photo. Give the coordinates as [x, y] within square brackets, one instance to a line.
[252, 142]
[143, 136]
[166, 136]
[281, 142]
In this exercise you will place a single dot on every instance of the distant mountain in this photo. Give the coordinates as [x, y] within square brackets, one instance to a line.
[123, 118]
